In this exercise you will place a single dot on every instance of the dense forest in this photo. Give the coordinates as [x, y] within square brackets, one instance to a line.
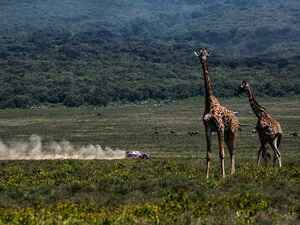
[76, 52]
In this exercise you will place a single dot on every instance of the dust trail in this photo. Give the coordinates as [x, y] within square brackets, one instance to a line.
[36, 150]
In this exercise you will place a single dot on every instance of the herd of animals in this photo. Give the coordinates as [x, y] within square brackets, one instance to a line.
[219, 119]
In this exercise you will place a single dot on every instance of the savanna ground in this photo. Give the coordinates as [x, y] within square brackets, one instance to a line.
[168, 189]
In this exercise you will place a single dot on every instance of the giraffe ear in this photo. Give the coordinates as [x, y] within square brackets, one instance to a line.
[208, 52]
[196, 53]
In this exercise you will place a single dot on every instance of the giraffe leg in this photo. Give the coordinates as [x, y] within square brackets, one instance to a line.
[274, 159]
[266, 156]
[230, 139]
[221, 151]
[277, 155]
[261, 152]
[209, 155]
[278, 141]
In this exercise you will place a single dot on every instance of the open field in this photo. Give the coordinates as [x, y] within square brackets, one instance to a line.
[169, 189]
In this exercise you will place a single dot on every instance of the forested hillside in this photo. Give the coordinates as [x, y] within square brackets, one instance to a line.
[94, 52]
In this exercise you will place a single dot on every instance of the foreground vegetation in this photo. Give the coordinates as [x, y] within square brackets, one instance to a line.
[160, 191]
[168, 189]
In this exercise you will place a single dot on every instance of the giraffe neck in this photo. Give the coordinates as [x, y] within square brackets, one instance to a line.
[256, 108]
[207, 85]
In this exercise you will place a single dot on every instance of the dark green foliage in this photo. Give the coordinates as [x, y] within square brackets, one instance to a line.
[102, 51]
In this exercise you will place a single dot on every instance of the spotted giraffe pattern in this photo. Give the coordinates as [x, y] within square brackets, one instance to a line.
[221, 117]
[269, 129]
[217, 118]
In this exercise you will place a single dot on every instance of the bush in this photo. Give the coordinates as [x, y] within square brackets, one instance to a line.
[73, 100]
[19, 101]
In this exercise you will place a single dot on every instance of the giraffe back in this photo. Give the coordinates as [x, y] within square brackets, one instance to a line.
[223, 118]
[268, 126]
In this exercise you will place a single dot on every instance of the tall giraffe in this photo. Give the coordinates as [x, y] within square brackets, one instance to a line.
[217, 118]
[268, 129]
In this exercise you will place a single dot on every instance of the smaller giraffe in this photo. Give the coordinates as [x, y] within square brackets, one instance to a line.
[268, 129]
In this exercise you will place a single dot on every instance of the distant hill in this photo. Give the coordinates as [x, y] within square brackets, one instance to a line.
[93, 52]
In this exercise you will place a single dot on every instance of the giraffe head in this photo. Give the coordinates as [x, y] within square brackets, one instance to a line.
[202, 54]
[245, 86]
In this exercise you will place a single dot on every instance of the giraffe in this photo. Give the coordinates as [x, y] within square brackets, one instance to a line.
[268, 129]
[217, 118]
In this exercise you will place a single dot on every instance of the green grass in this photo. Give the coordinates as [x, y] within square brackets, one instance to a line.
[169, 189]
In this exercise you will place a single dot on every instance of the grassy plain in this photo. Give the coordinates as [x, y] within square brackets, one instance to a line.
[168, 189]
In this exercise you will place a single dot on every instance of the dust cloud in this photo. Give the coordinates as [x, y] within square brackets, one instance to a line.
[34, 149]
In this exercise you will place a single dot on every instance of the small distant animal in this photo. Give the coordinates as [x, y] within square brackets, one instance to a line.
[156, 132]
[253, 131]
[294, 134]
[236, 113]
[193, 133]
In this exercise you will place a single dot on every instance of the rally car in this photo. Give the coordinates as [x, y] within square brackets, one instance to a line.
[137, 155]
